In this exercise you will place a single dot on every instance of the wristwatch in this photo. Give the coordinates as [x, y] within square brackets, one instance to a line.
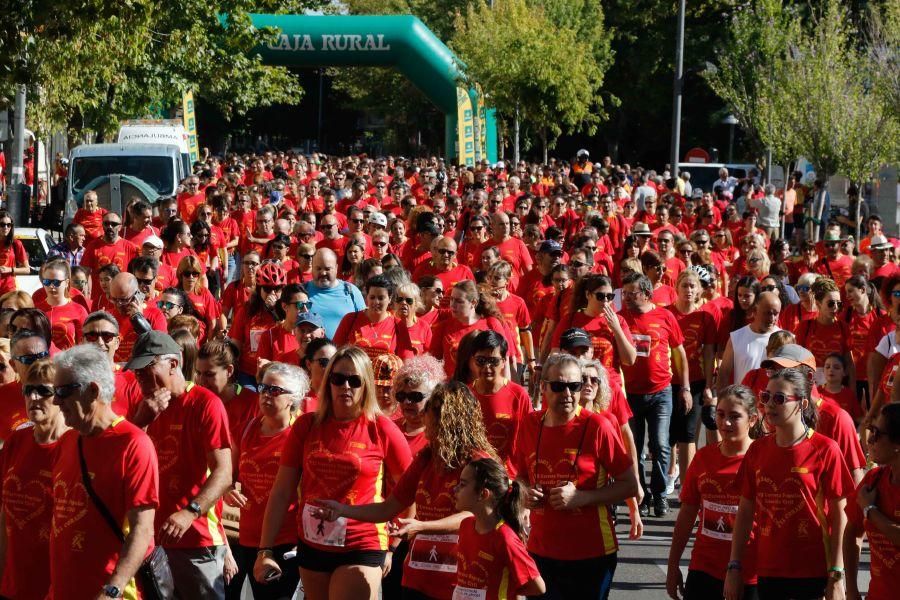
[836, 573]
[867, 509]
[194, 508]
[111, 591]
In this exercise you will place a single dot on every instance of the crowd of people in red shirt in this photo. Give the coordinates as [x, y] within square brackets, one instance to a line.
[436, 382]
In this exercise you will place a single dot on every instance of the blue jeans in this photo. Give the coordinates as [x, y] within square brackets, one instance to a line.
[653, 411]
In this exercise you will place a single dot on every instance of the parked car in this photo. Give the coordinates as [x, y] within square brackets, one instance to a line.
[37, 244]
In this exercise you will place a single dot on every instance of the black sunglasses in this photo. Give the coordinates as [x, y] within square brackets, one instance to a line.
[484, 361]
[271, 390]
[339, 379]
[411, 397]
[41, 389]
[27, 359]
[64, 391]
[93, 336]
[601, 296]
[409, 301]
[561, 386]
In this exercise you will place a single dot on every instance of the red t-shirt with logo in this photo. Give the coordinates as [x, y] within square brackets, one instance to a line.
[788, 486]
[836, 424]
[449, 277]
[236, 294]
[823, 340]
[124, 474]
[515, 252]
[885, 554]
[846, 399]
[99, 253]
[604, 341]
[128, 337]
[654, 333]
[249, 331]
[12, 408]
[91, 221]
[193, 425]
[65, 324]
[11, 256]
[504, 412]
[258, 460]
[699, 329]
[493, 565]
[128, 392]
[710, 485]
[532, 288]
[279, 345]
[26, 497]
[595, 446]
[861, 327]
[241, 409]
[839, 269]
[187, 206]
[344, 461]
[448, 332]
[357, 329]
[419, 336]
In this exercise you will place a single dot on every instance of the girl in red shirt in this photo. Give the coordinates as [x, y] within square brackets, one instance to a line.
[709, 486]
[252, 321]
[65, 315]
[374, 329]
[826, 334]
[835, 389]
[493, 562]
[315, 362]
[280, 343]
[190, 278]
[13, 258]
[794, 484]
[216, 366]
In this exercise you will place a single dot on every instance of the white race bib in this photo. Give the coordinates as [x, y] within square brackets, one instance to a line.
[717, 521]
[464, 593]
[642, 344]
[431, 552]
[322, 532]
[255, 336]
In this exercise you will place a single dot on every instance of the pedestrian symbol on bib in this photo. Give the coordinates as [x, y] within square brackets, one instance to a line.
[720, 524]
[433, 555]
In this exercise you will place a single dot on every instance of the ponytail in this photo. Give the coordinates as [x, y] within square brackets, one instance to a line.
[508, 497]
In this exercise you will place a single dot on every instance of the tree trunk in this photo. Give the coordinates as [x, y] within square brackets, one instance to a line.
[856, 216]
[819, 207]
[516, 138]
[784, 191]
[544, 143]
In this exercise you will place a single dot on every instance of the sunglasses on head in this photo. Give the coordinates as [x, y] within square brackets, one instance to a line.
[40, 389]
[339, 379]
[271, 390]
[777, 398]
[52, 282]
[411, 397]
[601, 296]
[27, 359]
[484, 361]
[93, 336]
[562, 386]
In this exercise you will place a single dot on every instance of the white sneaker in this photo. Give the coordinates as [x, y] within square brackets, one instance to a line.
[670, 484]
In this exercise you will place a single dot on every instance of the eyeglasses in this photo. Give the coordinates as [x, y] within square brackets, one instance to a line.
[874, 432]
[191, 274]
[834, 304]
[488, 361]
[93, 336]
[303, 306]
[562, 386]
[123, 301]
[27, 359]
[271, 390]
[66, 390]
[778, 398]
[587, 379]
[147, 282]
[409, 301]
[41, 389]
[601, 296]
[339, 380]
[577, 264]
[411, 397]
[52, 282]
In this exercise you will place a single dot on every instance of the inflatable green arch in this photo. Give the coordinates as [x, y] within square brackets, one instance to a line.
[402, 42]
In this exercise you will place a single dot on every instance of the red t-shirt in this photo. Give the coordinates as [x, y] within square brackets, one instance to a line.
[65, 324]
[861, 327]
[823, 340]
[344, 461]
[279, 345]
[39, 297]
[664, 295]
[12, 409]
[355, 328]
[187, 206]
[839, 269]
[793, 316]
[491, 566]
[710, 485]
[248, 331]
[699, 329]
[532, 288]
[172, 259]
[128, 393]
[836, 424]
[604, 341]
[885, 554]
[789, 485]
[419, 336]
[100, 253]
[236, 294]
[193, 425]
[846, 399]
[258, 458]
[26, 497]
[503, 414]
[208, 309]
[125, 475]
[449, 277]
[11, 256]
[515, 252]
[127, 335]
[654, 333]
[91, 221]
[448, 332]
[137, 237]
[241, 409]
[595, 446]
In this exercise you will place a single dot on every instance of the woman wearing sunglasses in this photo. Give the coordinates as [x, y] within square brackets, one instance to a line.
[784, 481]
[793, 315]
[27, 498]
[454, 434]
[252, 321]
[13, 257]
[564, 456]
[66, 316]
[256, 463]
[827, 333]
[191, 279]
[872, 509]
[279, 343]
[315, 360]
[215, 371]
[343, 452]
[406, 305]
[205, 247]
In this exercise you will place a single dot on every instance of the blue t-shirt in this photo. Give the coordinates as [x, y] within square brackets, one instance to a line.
[333, 303]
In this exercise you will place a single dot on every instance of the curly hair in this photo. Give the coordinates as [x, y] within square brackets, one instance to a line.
[424, 370]
[460, 425]
[601, 401]
[823, 286]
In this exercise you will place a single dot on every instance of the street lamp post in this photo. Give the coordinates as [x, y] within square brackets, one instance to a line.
[677, 86]
[731, 121]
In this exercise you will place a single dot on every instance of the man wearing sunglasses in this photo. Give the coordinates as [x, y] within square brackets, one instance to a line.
[26, 347]
[111, 248]
[128, 301]
[189, 428]
[444, 266]
[102, 330]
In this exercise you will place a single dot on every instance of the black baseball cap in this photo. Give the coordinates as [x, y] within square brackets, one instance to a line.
[149, 346]
[575, 337]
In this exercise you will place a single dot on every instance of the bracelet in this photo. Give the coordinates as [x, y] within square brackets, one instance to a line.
[867, 510]
[734, 565]
[836, 569]
[266, 552]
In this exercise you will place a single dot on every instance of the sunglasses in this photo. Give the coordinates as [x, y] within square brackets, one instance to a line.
[93, 336]
[411, 397]
[271, 390]
[378, 244]
[834, 304]
[476, 228]
[191, 274]
[768, 288]
[562, 386]
[52, 282]
[591, 380]
[409, 301]
[146, 282]
[701, 242]
[339, 379]
[64, 391]
[484, 361]
[303, 306]
[27, 359]
[268, 289]
[601, 296]
[41, 389]
[778, 398]
[446, 251]
[305, 256]
[874, 432]
[577, 264]
[166, 305]
[323, 362]
[805, 288]
[6, 225]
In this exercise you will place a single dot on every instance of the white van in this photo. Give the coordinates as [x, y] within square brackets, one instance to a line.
[163, 131]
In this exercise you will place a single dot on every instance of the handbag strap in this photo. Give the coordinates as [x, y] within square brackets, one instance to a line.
[104, 511]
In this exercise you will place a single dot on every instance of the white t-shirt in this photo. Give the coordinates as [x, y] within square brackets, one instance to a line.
[888, 345]
[749, 349]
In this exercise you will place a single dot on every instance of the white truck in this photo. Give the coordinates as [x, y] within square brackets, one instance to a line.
[165, 131]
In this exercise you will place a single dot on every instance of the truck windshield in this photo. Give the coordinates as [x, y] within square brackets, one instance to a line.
[156, 171]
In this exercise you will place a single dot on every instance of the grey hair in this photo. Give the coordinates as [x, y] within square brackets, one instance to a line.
[295, 377]
[101, 315]
[769, 189]
[423, 371]
[89, 364]
[643, 282]
[557, 361]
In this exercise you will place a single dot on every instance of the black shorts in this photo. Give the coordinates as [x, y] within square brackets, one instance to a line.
[703, 586]
[322, 561]
[683, 426]
[790, 588]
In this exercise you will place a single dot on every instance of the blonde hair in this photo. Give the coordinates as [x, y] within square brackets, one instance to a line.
[601, 401]
[460, 425]
[191, 262]
[363, 367]
[20, 298]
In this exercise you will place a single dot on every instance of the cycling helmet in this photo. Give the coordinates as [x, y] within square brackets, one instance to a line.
[271, 274]
[703, 273]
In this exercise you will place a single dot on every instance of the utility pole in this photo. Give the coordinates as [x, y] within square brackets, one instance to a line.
[16, 193]
[677, 86]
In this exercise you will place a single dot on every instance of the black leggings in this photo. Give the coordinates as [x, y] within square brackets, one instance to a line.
[703, 586]
[281, 589]
[791, 588]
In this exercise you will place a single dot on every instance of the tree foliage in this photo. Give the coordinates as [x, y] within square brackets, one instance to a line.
[92, 63]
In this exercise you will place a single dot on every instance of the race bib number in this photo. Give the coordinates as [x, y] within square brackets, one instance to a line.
[464, 593]
[322, 532]
[642, 344]
[255, 336]
[430, 552]
[718, 520]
